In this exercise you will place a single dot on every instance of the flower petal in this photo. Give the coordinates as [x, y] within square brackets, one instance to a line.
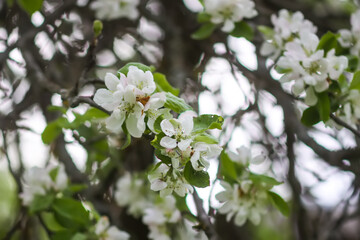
[111, 82]
[168, 143]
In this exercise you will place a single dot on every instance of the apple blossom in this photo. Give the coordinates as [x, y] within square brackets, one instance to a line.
[229, 12]
[113, 9]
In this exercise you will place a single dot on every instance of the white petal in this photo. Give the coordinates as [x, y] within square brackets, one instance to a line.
[184, 144]
[105, 99]
[135, 126]
[158, 185]
[129, 95]
[167, 127]
[111, 81]
[168, 143]
[115, 121]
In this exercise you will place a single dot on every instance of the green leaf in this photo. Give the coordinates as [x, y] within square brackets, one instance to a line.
[206, 138]
[125, 69]
[328, 41]
[57, 109]
[50, 222]
[261, 179]
[282, 70]
[203, 17]
[62, 235]
[79, 236]
[268, 32]
[176, 104]
[227, 168]
[156, 141]
[310, 116]
[127, 138]
[162, 85]
[41, 202]
[353, 63]
[323, 106]
[51, 132]
[355, 82]
[279, 203]
[30, 6]
[343, 82]
[204, 31]
[70, 213]
[207, 121]
[242, 29]
[74, 188]
[199, 179]
[163, 158]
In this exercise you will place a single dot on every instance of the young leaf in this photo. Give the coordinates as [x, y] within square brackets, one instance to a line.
[164, 159]
[355, 82]
[310, 116]
[242, 29]
[162, 85]
[125, 69]
[207, 121]
[30, 6]
[50, 222]
[204, 31]
[279, 203]
[41, 202]
[327, 42]
[156, 141]
[323, 106]
[260, 179]
[227, 168]
[206, 138]
[51, 132]
[266, 31]
[199, 179]
[176, 104]
[203, 17]
[70, 213]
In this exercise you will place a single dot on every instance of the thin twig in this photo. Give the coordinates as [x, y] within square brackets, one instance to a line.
[345, 125]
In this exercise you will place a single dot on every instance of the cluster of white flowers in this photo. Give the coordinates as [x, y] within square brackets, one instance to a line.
[166, 180]
[243, 199]
[130, 99]
[287, 27]
[106, 232]
[351, 39]
[42, 181]
[113, 9]
[308, 67]
[301, 62]
[131, 192]
[159, 214]
[179, 146]
[229, 12]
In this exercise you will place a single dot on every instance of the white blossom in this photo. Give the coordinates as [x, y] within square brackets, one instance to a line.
[242, 202]
[202, 152]
[113, 9]
[131, 192]
[287, 28]
[106, 232]
[157, 216]
[129, 98]
[229, 12]
[167, 180]
[178, 131]
[40, 181]
[308, 66]
[243, 157]
[351, 39]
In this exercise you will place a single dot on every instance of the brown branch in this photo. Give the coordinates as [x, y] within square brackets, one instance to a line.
[204, 219]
